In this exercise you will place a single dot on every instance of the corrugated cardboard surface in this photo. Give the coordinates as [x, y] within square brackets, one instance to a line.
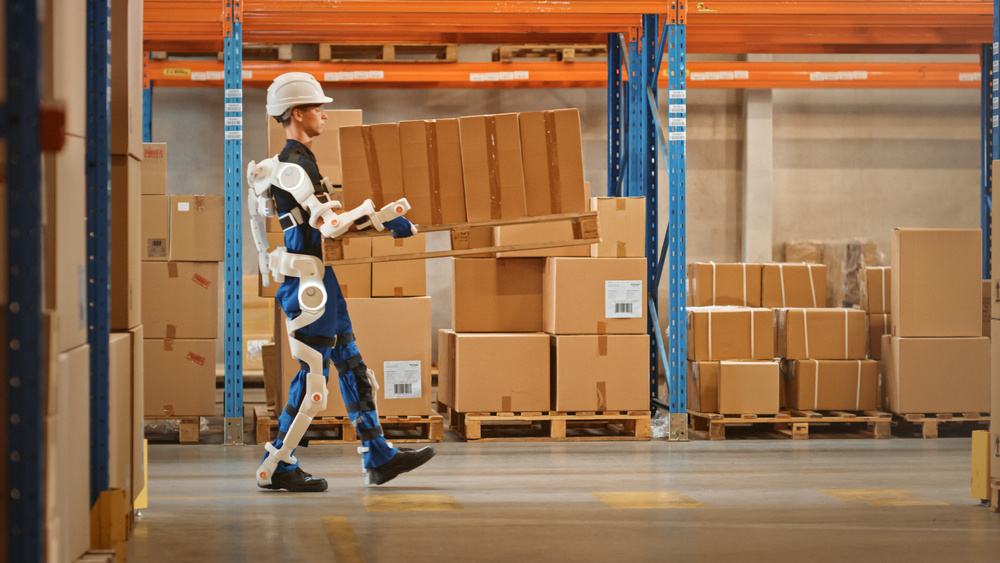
[401, 278]
[491, 167]
[748, 387]
[126, 242]
[325, 147]
[995, 401]
[936, 282]
[622, 223]
[703, 386]
[725, 284]
[181, 299]
[355, 280]
[154, 169]
[432, 171]
[730, 333]
[120, 412]
[498, 295]
[879, 324]
[938, 375]
[70, 245]
[575, 295]
[538, 232]
[138, 412]
[155, 244]
[793, 285]
[821, 334]
[552, 156]
[372, 164]
[258, 324]
[197, 228]
[126, 81]
[179, 377]
[64, 61]
[987, 306]
[446, 367]
[501, 372]
[600, 372]
[876, 290]
[850, 385]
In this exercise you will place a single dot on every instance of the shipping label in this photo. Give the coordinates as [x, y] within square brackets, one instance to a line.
[402, 379]
[623, 299]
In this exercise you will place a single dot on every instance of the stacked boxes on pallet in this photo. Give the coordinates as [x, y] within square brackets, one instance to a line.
[994, 301]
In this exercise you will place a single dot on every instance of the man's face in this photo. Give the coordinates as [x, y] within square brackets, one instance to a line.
[313, 119]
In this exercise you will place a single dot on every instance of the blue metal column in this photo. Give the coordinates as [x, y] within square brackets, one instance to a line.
[648, 166]
[25, 369]
[987, 109]
[234, 223]
[616, 109]
[99, 236]
[147, 103]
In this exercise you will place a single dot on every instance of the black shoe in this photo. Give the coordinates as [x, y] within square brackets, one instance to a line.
[404, 460]
[296, 481]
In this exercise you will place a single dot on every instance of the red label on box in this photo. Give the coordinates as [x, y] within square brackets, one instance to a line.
[192, 357]
[152, 152]
[201, 280]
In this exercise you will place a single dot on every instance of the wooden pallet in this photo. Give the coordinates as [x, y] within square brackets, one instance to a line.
[189, 427]
[793, 424]
[585, 231]
[929, 423]
[564, 53]
[339, 430]
[251, 52]
[388, 53]
[550, 426]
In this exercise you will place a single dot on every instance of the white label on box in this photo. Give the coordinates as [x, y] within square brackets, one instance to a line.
[402, 379]
[234, 107]
[183, 206]
[623, 299]
[234, 121]
[677, 136]
[234, 93]
[678, 94]
[677, 122]
[233, 135]
[678, 108]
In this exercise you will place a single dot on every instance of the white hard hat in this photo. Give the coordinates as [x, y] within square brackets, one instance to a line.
[294, 89]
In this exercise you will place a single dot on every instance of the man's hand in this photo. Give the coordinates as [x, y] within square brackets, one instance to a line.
[400, 227]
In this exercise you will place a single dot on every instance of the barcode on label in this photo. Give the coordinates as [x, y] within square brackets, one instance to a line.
[623, 308]
[402, 388]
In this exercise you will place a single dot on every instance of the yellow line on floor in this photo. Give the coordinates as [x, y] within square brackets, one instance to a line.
[879, 497]
[409, 503]
[647, 500]
[342, 539]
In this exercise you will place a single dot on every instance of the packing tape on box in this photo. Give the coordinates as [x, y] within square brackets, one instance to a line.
[433, 172]
[621, 251]
[714, 291]
[602, 396]
[371, 156]
[171, 332]
[781, 276]
[857, 398]
[168, 410]
[619, 204]
[199, 203]
[602, 327]
[398, 292]
[602, 344]
[846, 334]
[805, 330]
[816, 385]
[492, 164]
[710, 356]
[812, 284]
[884, 309]
[745, 284]
[505, 403]
[172, 270]
[168, 344]
[552, 152]
[753, 343]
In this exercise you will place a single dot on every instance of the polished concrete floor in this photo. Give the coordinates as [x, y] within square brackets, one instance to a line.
[823, 499]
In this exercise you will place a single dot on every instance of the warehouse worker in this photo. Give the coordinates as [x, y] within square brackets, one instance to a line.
[295, 100]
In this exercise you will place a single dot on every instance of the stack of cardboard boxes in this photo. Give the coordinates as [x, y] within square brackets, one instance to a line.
[182, 243]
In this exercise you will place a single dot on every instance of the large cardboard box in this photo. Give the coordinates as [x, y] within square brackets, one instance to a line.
[876, 290]
[501, 372]
[197, 228]
[600, 372]
[552, 157]
[126, 80]
[730, 333]
[748, 387]
[355, 280]
[70, 252]
[622, 222]
[155, 244]
[937, 375]
[258, 325]
[64, 61]
[120, 412]
[137, 344]
[987, 306]
[703, 386]
[154, 169]
[432, 171]
[995, 296]
[531, 233]
[372, 164]
[446, 369]
[594, 296]
[793, 285]
[498, 295]
[491, 167]
[995, 400]
[126, 242]
[179, 377]
[326, 147]
[879, 324]
[821, 334]
[936, 282]
[714, 284]
[181, 300]
[850, 385]
[399, 278]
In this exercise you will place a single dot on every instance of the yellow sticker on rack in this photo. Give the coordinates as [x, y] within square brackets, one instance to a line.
[176, 72]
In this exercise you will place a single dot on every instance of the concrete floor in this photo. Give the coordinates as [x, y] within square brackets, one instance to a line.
[742, 500]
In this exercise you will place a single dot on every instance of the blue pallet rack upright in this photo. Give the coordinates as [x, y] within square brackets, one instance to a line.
[990, 149]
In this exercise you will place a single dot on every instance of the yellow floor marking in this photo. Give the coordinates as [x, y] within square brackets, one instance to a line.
[879, 497]
[648, 499]
[409, 503]
[342, 539]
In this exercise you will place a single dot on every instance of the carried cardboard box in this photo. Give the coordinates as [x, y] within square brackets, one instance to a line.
[730, 333]
[179, 377]
[372, 164]
[181, 300]
[155, 244]
[850, 385]
[622, 222]
[492, 167]
[936, 282]
[552, 157]
[714, 284]
[432, 171]
[126, 242]
[325, 147]
[821, 334]
[594, 296]
[793, 285]
[154, 169]
[600, 372]
[498, 295]
[879, 324]
[197, 228]
[496, 372]
[555, 231]
[876, 290]
[399, 278]
[937, 375]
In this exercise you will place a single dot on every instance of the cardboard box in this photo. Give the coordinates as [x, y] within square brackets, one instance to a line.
[181, 300]
[876, 290]
[70, 252]
[126, 242]
[446, 369]
[730, 333]
[498, 295]
[793, 285]
[995, 298]
[126, 80]
[845, 262]
[850, 385]
[432, 171]
[622, 223]
[703, 386]
[937, 375]
[501, 372]
[810, 251]
[987, 306]
[120, 412]
[287, 366]
[179, 377]
[155, 244]
[491, 167]
[400, 278]
[258, 324]
[748, 387]
[136, 342]
[714, 284]
[594, 296]
[879, 324]
[64, 61]
[531, 233]
[372, 164]
[936, 282]
[197, 228]
[552, 157]
[821, 334]
[325, 147]
[995, 400]
[600, 372]
[154, 169]
[355, 280]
